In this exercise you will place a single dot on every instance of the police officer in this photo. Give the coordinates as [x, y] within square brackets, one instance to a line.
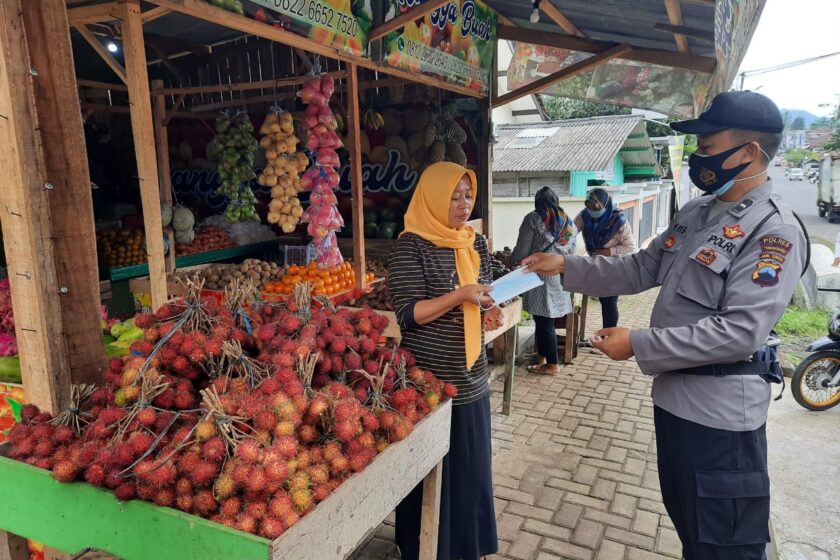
[727, 267]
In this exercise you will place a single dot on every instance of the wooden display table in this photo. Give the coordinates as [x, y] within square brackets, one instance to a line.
[74, 517]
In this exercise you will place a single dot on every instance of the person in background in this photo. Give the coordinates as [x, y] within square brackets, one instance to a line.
[606, 233]
[546, 230]
[837, 250]
[438, 276]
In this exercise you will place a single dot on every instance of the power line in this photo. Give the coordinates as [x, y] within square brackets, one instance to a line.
[783, 66]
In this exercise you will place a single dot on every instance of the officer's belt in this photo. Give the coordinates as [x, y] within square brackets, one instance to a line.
[722, 370]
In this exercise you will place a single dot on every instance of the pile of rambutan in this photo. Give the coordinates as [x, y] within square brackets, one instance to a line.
[248, 429]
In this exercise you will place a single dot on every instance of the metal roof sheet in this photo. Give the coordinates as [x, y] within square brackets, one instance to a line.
[575, 145]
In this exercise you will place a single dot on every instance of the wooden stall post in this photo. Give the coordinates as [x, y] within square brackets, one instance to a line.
[70, 200]
[354, 127]
[13, 547]
[24, 214]
[430, 513]
[142, 128]
[162, 148]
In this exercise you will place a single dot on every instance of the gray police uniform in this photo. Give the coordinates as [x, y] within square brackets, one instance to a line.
[725, 282]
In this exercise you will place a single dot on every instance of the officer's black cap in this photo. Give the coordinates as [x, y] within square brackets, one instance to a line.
[745, 110]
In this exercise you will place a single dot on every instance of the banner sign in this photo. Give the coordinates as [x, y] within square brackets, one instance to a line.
[393, 176]
[675, 156]
[735, 21]
[454, 42]
[342, 24]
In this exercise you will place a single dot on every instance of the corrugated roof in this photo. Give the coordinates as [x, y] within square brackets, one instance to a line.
[576, 144]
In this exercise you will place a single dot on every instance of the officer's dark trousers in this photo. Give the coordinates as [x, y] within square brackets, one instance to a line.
[715, 487]
[609, 311]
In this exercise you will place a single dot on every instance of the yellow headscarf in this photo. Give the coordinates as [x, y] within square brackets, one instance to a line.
[428, 217]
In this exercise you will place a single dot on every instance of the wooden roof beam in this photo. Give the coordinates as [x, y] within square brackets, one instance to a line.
[412, 14]
[567, 72]
[93, 14]
[100, 49]
[154, 13]
[560, 19]
[686, 61]
[675, 17]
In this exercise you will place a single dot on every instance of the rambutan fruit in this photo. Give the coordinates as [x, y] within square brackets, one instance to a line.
[302, 500]
[402, 398]
[61, 454]
[331, 450]
[367, 346]
[165, 497]
[240, 473]
[198, 356]
[277, 471]
[151, 335]
[140, 442]
[402, 429]
[382, 444]
[184, 486]
[271, 528]
[432, 400]
[270, 386]
[204, 473]
[366, 440]
[125, 491]
[115, 365]
[165, 400]
[44, 463]
[371, 367]
[180, 364]
[28, 413]
[266, 332]
[142, 347]
[41, 432]
[163, 419]
[204, 503]
[322, 492]
[291, 518]
[127, 395]
[146, 491]
[280, 505]
[123, 455]
[247, 524]
[84, 455]
[346, 430]
[213, 348]
[291, 324]
[205, 429]
[224, 486]
[185, 401]
[287, 446]
[19, 432]
[257, 509]
[301, 404]
[318, 406]
[450, 391]
[359, 461]
[285, 410]
[43, 448]
[248, 451]
[319, 473]
[65, 471]
[231, 507]
[308, 433]
[339, 464]
[284, 428]
[265, 420]
[147, 417]
[144, 321]
[369, 422]
[185, 503]
[257, 481]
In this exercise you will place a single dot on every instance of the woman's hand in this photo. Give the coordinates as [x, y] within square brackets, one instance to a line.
[474, 293]
[545, 264]
[493, 319]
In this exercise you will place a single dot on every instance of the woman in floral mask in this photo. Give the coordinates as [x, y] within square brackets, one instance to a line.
[546, 230]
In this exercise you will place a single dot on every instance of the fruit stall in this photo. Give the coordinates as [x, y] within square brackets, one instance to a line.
[225, 429]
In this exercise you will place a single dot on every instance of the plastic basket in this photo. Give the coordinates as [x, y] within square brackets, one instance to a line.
[299, 255]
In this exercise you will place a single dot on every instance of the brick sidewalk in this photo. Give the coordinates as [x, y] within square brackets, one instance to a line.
[575, 462]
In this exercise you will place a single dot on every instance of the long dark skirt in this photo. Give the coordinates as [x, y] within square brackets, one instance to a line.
[467, 515]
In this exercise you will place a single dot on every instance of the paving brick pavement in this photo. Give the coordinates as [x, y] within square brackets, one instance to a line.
[575, 462]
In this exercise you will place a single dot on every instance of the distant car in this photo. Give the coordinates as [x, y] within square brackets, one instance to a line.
[796, 174]
[778, 162]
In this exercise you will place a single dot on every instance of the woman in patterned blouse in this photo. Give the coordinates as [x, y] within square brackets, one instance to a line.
[438, 278]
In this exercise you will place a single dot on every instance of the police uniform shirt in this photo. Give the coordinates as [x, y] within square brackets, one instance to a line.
[712, 308]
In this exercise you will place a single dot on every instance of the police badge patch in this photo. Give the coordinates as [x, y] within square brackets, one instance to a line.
[670, 242]
[766, 273]
[706, 256]
[733, 232]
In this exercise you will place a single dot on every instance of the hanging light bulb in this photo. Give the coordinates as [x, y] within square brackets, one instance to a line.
[112, 47]
[535, 13]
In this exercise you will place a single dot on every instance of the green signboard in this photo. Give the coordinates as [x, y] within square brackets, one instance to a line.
[454, 42]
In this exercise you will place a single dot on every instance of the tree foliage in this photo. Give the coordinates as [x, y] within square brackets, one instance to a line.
[561, 108]
[798, 124]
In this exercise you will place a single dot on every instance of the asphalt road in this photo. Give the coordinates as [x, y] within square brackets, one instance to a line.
[802, 197]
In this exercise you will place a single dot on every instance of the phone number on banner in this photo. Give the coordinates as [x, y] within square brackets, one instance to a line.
[320, 14]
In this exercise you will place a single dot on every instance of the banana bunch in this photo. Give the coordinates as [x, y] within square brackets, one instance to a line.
[373, 120]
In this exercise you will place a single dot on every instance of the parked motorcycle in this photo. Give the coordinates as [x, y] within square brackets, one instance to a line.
[816, 380]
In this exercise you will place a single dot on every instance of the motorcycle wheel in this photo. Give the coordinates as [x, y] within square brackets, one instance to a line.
[807, 383]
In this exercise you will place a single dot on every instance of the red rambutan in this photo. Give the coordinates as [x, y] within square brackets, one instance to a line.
[185, 502]
[147, 417]
[247, 524]
[184, 486]
[231, 507]
[180, 364]
[302, 500]
[65, 471]
[322, 492]
[166, 399]
[308, 433]
[205, 503]
[257, 509]
[185, 401]
[141, 442]
[240, 473]
[248, 451]
[265, 420]
[266, 332]
[125, 491]
[43, 448]
[277, 471]
[165, 497]
[271, 528]
[257, 481]
[287, 446]
[225, 486]
[204, 473]
[95, 474]
[346, 430]
[144, 321]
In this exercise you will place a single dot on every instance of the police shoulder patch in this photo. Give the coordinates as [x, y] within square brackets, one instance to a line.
[767, 273]
[775, 244]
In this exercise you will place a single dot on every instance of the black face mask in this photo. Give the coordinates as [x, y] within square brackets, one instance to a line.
[708, 174]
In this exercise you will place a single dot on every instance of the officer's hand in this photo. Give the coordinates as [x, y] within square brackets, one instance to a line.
[836, 262]
[545, 264]
[615, 343]
[601, 253]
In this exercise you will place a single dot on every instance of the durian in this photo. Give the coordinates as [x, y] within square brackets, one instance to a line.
[438, 152]
[429, 135]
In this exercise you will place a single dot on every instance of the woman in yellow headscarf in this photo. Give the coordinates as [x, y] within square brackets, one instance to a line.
[439, 273]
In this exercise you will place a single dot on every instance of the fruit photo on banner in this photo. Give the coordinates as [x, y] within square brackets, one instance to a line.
[343, 24]
[454, 42]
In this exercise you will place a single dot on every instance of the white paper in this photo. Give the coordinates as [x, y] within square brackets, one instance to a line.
[514, 284]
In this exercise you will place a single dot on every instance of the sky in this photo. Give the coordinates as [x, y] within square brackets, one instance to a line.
[791, 30]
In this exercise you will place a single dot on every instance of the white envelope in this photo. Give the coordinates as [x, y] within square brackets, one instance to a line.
[514, 284]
